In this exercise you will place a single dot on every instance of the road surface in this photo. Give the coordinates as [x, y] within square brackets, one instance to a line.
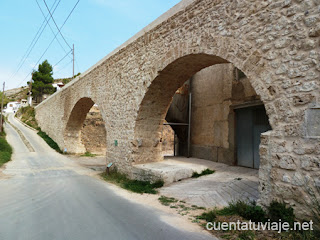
[45, 196]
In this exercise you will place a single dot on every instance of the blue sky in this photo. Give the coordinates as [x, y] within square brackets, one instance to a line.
[96, 27]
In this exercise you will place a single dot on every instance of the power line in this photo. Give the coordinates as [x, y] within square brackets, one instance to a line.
[63, 58]
[33, 42]
[64, 67]
[55, 23]
[50, 43]
[50, 26]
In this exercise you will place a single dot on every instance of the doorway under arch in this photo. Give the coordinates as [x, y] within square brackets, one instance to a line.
[154, 107]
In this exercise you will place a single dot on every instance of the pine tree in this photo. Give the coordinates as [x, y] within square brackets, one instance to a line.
[42, 80]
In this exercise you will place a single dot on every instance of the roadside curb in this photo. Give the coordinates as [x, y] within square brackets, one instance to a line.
[23, 138]
[25, 124]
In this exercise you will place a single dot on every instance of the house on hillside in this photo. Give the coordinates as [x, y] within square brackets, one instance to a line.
[12, 107]
[24, 103]
[58, 86]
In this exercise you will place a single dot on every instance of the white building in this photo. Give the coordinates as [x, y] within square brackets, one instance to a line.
[12, 107]
[24, 103]
[58, 86]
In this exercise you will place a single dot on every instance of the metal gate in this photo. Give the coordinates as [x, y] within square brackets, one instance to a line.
[250, 123]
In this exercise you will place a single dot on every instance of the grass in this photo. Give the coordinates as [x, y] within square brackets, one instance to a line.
[247, 235]
[132, 185]
[49, 141]
[203, 173]
[250, 211]
[5, 149]
[166, 201]
[243, 209]
[88, 154]
[208, 216]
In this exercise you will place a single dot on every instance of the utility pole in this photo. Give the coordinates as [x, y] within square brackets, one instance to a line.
[73, 61]
[1, 117]
[30, 92]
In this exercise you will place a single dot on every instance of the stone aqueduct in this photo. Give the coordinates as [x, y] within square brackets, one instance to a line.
[274, 42]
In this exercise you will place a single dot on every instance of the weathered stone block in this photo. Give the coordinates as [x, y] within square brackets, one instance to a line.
[313, 122]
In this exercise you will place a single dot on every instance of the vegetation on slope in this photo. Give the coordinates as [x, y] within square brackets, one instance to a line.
[27, 115]
[5, 149]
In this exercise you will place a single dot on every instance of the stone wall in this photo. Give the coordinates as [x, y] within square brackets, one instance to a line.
[275, 43]
[215, 92]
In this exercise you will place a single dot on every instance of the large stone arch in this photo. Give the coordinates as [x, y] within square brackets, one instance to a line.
[181, 63]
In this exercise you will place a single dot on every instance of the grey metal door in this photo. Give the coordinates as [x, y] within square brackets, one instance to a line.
[251, 122]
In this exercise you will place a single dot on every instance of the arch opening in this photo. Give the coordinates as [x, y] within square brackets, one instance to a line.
[223, 103]
[85, 131]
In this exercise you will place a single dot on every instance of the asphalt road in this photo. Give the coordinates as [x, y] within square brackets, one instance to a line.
[48, 197]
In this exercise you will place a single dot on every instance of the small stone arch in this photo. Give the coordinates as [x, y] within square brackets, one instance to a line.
[72, 133]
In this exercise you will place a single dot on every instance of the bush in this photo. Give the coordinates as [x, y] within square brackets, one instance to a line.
[248, 211]
[208, 216]
[278, 211]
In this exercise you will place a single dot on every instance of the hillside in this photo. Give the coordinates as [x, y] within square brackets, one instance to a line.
[17, 94]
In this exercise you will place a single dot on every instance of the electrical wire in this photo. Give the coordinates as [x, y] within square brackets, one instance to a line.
[56, 24]
[33, 42]
[50, 42]
[50, 26]
[63, 58]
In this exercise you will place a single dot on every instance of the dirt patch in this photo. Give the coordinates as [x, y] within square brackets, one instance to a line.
[93, 133]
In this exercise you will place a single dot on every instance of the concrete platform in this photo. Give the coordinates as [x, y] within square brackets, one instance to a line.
[228, 183]
[97, 163]
[172, 169]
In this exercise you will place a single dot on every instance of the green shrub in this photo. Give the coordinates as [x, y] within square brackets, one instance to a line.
[204, 172]
[167, 200]
[208, 216]
[277, 211]
[249, 211]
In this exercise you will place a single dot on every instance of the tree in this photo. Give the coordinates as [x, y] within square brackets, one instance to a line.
[42, 80]
[5, 100]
